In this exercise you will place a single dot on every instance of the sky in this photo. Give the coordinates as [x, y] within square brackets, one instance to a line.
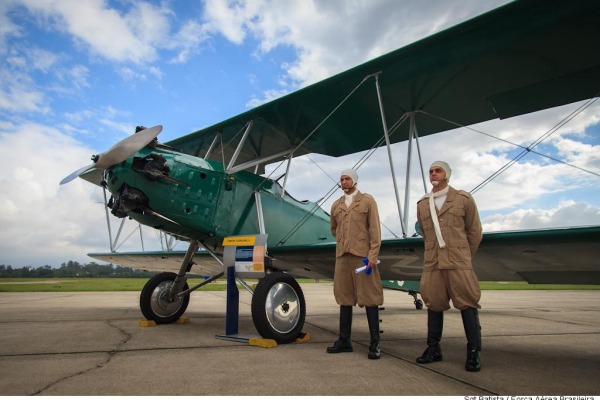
[78, 76]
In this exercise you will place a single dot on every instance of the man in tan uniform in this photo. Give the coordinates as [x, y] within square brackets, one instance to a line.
[451, 231]
[355, 225]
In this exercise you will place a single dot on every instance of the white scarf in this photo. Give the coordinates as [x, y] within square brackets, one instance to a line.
[349, 198]
[436, 223]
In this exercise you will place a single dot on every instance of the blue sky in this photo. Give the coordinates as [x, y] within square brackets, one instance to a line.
[78, 76]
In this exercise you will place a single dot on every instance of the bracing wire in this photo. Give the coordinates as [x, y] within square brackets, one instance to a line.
[299, 145]
[525, 149]
[333, 189]
[529, 149]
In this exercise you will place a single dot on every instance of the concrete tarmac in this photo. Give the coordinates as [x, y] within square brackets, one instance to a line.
[62, 344]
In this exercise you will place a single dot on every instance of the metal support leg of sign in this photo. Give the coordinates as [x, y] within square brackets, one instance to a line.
[233, 303]
[232, 310]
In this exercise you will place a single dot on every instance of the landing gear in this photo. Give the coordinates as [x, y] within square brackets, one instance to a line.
[156, 301]
[418, 302]
[278, 307]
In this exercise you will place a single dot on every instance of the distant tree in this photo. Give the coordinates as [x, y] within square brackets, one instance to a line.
[73, 269]
[43, 272]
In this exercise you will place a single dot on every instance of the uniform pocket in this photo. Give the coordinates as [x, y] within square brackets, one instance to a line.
[459, 254]
[358, 223]
[430, 255]
[457, 217]
[359, 213]
[336, 212]
[426, 219]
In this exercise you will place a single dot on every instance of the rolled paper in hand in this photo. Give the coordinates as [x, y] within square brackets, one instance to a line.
[365, 267]
[360, 269]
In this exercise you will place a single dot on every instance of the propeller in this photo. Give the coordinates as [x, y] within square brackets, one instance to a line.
[119, 152]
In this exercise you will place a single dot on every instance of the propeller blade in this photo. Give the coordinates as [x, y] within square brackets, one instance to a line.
[117, 153]
[75, 174]
[127, 147]
[94, 176]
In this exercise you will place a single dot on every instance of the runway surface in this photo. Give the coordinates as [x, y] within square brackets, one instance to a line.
[60, 344]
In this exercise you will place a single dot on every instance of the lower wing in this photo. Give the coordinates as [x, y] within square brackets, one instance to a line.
[566, 255]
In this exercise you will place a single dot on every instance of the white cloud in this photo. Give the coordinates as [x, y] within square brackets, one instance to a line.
[51, 223]
[330, 37]
[103, 30]
[40, 59]
[228, 18]
[18, 93]
[268, 96]
[566, 214]
[130, 74]
[39, 215]
[109, 125]
[7, 27]
[188, 39]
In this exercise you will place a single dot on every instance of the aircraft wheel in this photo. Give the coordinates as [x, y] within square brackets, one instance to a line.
[419, 304]
[278, 307]
[155, 302]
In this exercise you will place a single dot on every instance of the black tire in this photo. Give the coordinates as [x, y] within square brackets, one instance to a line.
[155, 303]
[278, 308]
[419, 304]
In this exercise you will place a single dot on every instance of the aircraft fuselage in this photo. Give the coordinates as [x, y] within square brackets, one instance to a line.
[196, 199]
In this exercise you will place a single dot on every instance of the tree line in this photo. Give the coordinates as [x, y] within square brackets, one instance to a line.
[73, 269]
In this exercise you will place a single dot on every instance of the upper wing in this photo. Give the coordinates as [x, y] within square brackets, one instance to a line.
[567, 255]
[519, 58]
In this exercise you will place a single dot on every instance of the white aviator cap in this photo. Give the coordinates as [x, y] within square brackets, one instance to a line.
[443, 165]
[351, 173]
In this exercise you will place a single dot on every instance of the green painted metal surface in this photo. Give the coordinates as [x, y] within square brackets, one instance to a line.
[207, 204]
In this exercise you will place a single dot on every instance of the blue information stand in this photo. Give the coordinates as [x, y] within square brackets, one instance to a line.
[233, 304]
[232, 310]
[243, 257]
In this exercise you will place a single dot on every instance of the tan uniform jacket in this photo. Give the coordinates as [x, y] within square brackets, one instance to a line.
[461, 230]
[356, 228]
[358, 234]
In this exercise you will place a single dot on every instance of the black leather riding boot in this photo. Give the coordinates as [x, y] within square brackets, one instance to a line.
[435, 326]
[373, 319]
[470, 318]
[343, 344]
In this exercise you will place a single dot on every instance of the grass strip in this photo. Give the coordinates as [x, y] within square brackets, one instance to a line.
[136, 285]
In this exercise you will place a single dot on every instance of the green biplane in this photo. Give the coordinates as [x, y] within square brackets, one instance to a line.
[520, 58]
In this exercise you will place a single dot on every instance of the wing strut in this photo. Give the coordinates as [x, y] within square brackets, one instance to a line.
[420, 160]
[115, 243]
[389, 151]
[259, 213]
[287, 173]
[216, 140]
[413, 134]
[240, 145]
[257, 161]
[112, 249]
